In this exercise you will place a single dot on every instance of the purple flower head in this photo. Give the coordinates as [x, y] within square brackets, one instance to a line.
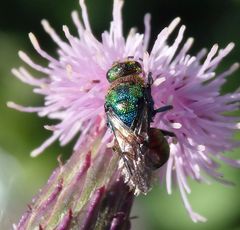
[74, 86]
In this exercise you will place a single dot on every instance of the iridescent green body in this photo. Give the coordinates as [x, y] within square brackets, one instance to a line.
[125, 98]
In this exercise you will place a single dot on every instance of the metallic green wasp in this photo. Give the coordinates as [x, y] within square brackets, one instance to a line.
[130, 110]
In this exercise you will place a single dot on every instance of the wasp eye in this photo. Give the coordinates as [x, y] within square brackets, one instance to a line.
[114, 73]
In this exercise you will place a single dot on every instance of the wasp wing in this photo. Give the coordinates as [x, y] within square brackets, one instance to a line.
[131, 147]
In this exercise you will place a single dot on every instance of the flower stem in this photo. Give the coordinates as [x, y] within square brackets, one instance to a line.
[87, 192]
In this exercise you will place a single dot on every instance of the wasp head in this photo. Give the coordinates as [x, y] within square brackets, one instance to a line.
[122, 69]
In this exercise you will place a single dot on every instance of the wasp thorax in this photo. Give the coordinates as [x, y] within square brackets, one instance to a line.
[122, 69]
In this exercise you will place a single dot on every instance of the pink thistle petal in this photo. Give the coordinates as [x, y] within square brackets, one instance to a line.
[147, 33]
[28, 61]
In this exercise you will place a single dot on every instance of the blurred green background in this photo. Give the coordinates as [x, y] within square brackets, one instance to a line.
[208, 21]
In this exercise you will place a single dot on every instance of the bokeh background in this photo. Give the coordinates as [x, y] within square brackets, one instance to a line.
[208, 21]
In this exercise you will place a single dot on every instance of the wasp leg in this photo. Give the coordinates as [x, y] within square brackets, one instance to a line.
[148, 98]
[163, 109]
[150, 79]
[149, 84]
[167, 133]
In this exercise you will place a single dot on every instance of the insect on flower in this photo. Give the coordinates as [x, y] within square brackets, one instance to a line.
[74, 87]
[130, 110]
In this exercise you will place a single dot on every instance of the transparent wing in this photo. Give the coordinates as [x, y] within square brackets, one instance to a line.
[130, 145]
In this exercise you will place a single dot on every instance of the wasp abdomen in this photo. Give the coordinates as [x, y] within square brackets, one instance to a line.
[158, 153]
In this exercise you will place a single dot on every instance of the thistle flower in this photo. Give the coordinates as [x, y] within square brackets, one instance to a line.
[74, 86]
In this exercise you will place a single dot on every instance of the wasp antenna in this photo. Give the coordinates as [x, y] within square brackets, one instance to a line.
[130, 57]
[140, 59]
[163, 109]
[167, 133]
